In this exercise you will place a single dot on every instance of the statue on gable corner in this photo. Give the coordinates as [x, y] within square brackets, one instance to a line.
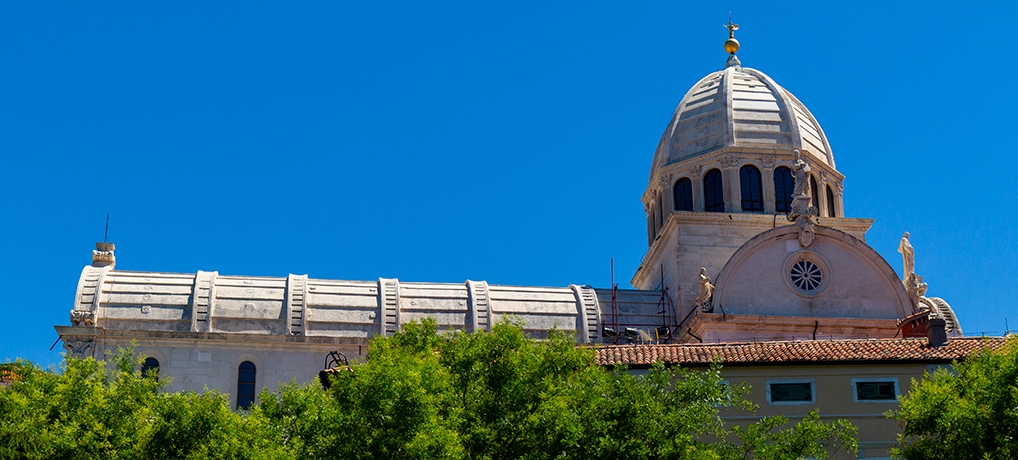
[703, 299]
[907, 257]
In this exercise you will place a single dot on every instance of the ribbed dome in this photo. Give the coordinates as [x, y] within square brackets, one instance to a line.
[739, 107]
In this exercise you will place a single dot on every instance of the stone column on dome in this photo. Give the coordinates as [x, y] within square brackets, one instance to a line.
[839, 203]
[667, 202]
[767, 178]
[822, 191]
[651, 233]
[695, 176]
[732, 188]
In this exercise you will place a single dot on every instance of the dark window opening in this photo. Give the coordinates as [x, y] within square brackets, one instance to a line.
[752, 189]
[831, 210]
[682, 194]
[875, 391]
[815, 198]
[660, 210]
[783, 188]
[713, 192]
[791, 392]
[245, 385]
[150, 367]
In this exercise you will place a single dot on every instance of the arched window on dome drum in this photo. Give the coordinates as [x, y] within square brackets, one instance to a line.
[650, 229]
[245, 385]
[831, 210]
[660, 210]
[815, 198]
[682, 195]
[653, 218]
[713, 192]
[150, 367]
[783, 188]
[752, 189]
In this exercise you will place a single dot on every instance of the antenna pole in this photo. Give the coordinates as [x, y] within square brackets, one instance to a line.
[615, 302]
[106, 234]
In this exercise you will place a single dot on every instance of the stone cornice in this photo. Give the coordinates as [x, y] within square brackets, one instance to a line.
[227, 339]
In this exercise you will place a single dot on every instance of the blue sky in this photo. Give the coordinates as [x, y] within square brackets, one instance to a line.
[509, 142]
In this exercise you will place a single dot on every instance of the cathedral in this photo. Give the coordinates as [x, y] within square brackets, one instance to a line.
[748, 245]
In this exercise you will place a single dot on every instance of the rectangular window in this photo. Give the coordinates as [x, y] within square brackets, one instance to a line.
[875, 390]
[791, 391]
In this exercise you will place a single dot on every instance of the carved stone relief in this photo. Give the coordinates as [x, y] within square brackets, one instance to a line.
[82, 318]
[78, 347]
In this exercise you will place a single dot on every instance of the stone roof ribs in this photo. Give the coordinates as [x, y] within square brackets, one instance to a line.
[795, 352]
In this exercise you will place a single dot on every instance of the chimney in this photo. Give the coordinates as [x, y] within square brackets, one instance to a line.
[936, 332]
[103, 256]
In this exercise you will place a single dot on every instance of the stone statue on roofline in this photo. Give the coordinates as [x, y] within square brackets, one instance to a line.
[803, 212]
[800, 175]
[907, 257]
[703, 299]
[914, 285]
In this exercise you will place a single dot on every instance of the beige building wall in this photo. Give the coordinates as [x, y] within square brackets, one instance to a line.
[834, 397]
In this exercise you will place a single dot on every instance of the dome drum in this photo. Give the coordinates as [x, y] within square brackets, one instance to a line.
[662, 196]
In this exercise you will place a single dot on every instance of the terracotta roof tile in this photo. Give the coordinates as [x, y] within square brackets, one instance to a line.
[801, 351]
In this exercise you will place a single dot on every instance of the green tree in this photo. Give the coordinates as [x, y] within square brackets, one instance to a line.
[90, 411]
[421, 395]
[96, 409]
[500, 395]
[970, 412]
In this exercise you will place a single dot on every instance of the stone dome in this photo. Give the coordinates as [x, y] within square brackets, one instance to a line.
[740, 107]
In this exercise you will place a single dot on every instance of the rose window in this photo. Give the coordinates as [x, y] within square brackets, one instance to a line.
[806, 275]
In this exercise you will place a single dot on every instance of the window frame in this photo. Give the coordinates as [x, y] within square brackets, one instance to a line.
[814, 191]
[253, 383]
[812, 385]
[719, 190]
[789, 186]
[832, 210]
[660, 210]
[685, 185]
[146, 367]
[748, 189]
[855, 389]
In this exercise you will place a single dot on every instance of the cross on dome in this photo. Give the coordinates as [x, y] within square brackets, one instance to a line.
[732, 45]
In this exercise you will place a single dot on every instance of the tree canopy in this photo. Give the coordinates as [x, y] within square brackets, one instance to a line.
[969, 411]
[421, 394]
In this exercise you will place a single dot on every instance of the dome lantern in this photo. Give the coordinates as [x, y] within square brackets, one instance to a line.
[732, 45]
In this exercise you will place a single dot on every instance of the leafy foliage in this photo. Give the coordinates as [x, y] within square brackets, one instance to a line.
[970, 413]
[108, 410]
[421, 395]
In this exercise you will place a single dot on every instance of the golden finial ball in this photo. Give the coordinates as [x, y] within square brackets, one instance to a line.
[731, 46]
